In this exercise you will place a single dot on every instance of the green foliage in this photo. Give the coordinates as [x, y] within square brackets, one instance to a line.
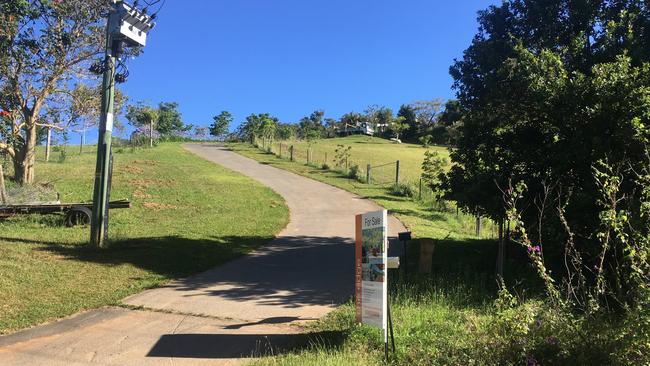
[342, 156]
[425, 141]
[410, 133]
[547, 92]
[221, 123]
[354, 172]
[397, 125]
[63, 155]
[434, 167]
[257, 125]
[310, 128]
[286, 131]
[402, 190]
[43, 46]
[169, 121]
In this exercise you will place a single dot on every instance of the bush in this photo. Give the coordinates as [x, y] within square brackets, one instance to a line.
[402, 190]
[63, 155]
[325, 166]
[354, 172]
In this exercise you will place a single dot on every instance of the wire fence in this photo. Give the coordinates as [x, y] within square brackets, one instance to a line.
[386, 175]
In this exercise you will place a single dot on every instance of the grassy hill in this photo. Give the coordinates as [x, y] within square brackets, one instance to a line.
[365, 150]
[181, 222]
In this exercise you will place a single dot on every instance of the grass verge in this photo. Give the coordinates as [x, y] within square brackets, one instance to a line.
[187, 215]
[457, 316]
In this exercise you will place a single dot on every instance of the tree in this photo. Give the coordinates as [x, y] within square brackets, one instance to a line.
[44, 46]
[169, 120]
[384, 118]
[312, 127]
[254, 126]
[221, 123]
[410, 119]
[452, 113]
[141, 115]
[331, 125]
[84, 109]
[397, 125]
[427, 112]
[548, 91]
[286, 131]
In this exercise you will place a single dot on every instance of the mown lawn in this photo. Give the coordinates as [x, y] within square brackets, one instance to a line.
[420, 218]
[187, 215]
[365, 150]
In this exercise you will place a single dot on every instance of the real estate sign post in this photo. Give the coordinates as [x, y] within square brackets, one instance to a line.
[371, 270]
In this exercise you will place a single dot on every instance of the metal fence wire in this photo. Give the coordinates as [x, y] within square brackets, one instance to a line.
[386, 174]
[382, 174]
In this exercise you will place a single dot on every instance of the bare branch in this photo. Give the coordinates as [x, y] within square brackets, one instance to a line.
[48, 125]
[8, 149]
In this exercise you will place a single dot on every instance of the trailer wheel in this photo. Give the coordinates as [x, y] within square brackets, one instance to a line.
[78, 215]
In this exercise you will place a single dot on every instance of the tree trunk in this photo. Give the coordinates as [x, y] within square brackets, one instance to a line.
[151, 133]
[25, 157]
[48, 144]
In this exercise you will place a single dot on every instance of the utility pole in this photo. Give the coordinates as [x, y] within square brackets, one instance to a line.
[126, 26]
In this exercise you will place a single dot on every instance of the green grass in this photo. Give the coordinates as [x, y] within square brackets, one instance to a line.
[187, 215]
[453, 316]
[365, 150]
[422, 219]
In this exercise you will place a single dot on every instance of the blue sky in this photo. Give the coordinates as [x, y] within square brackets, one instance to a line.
[291, 57]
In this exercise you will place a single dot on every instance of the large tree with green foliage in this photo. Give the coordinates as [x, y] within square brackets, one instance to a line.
[549, 90]
[170, 121]
[312, 127]
[256, 125]
[220, 124]
[44, 45]
[410, 119]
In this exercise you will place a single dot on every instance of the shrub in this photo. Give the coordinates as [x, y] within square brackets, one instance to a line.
[354, 172]
[402, 190]
[63, 154]
[325, 166]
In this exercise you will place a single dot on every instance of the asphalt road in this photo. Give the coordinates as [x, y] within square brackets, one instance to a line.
[230, 313]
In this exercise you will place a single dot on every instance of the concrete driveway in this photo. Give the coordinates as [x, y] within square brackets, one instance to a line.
[233, 312]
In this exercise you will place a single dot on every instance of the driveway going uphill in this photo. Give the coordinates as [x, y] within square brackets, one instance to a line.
[230, 312]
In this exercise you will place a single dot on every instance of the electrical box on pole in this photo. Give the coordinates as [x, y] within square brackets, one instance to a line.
[126, 26]
[130, 25]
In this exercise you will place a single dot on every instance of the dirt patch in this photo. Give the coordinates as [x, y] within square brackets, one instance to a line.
[146, 162]
[158, 206]
[131, 169]
[140, 187]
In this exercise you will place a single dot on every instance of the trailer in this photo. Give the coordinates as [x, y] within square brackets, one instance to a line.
[75, 213]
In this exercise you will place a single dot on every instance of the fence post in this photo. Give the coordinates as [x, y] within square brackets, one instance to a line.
[291, 153]
[326, 158]
[420, 193]
[308, 155]
[478, 225]
[368, 174]
[397, 172]
[280, 150]
[3, 193]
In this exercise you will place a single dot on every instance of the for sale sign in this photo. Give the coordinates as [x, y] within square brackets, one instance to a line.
[371, 282]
